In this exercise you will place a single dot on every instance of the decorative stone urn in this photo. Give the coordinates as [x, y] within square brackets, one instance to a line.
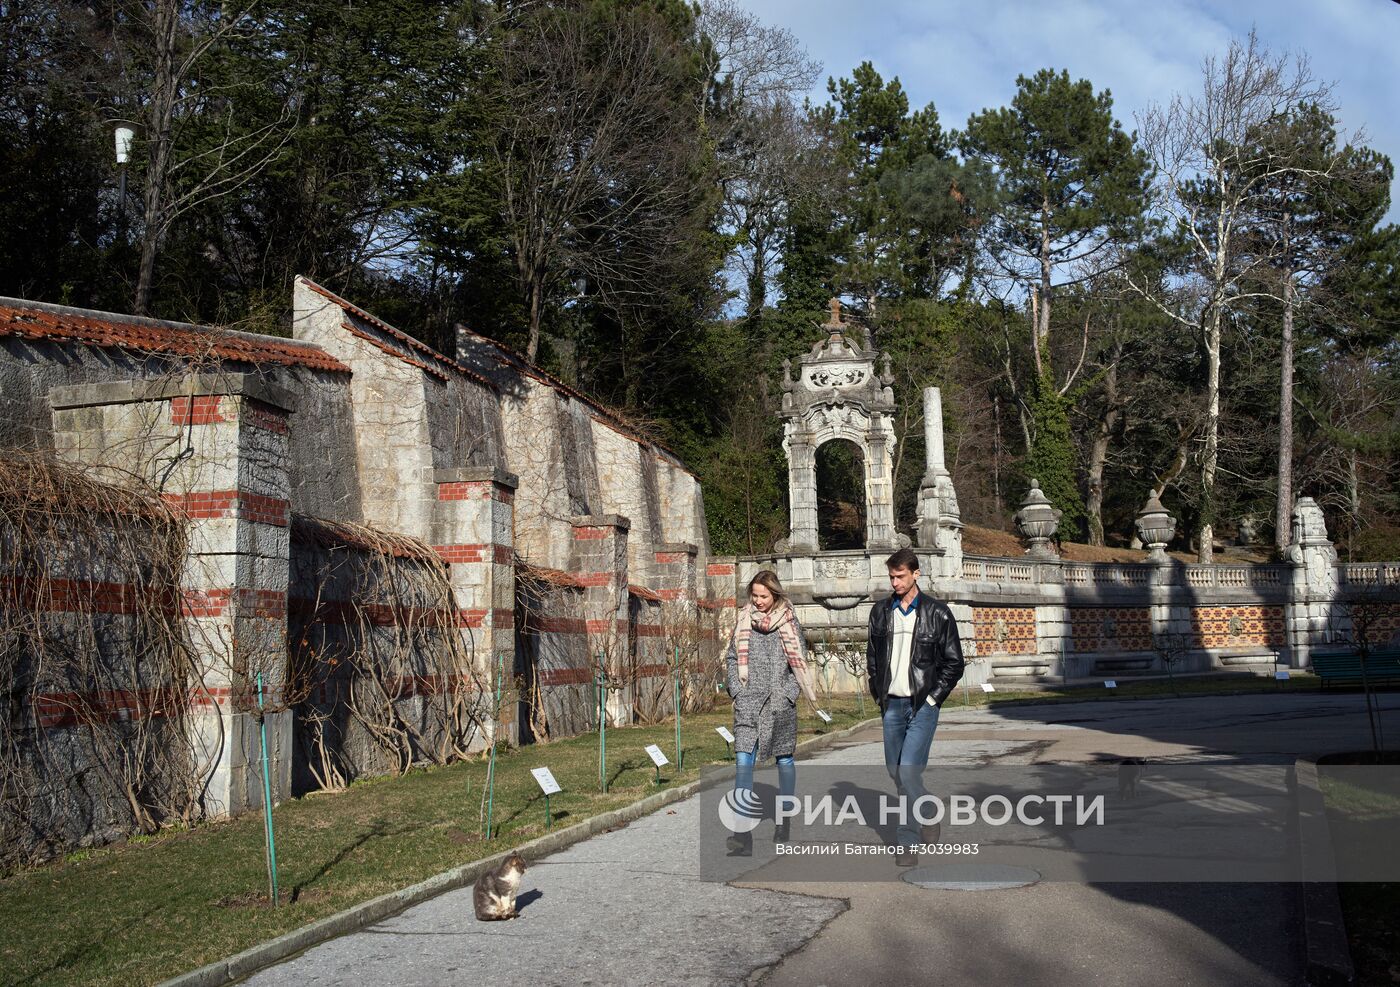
[1037, 521]
[1156, 528]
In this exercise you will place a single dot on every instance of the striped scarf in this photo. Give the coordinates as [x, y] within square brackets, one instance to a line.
[750, 618]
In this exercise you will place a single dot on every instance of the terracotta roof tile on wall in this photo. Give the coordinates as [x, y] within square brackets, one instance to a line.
[508, 357]
[555, 577]
[397, 334]
[37, 320]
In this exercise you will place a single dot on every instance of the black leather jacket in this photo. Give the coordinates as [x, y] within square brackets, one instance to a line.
[935, 658]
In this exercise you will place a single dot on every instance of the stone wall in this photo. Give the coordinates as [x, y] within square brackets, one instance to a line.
[1046, 620]
[569, 544]
[90, 733]
[382, 676]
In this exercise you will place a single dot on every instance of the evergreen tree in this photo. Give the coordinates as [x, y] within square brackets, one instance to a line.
[1072, 185]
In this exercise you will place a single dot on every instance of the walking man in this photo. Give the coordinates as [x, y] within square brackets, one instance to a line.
[913, 660]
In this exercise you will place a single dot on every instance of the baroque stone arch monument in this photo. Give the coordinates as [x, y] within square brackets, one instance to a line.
[838, 394]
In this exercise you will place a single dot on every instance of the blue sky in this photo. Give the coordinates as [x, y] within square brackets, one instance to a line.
[964, 56]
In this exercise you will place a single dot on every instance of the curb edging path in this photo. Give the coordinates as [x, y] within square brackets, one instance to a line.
[356, 917]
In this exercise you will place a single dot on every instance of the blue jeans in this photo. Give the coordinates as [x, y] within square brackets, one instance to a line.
[908, 736]
[743, 772]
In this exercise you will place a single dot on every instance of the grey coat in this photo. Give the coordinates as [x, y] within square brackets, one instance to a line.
[765, 710]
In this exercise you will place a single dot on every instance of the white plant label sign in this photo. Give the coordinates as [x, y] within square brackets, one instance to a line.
[546, 779]
[724, 732]
[657, 757]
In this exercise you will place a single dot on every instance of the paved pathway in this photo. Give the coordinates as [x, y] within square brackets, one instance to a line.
[628, 906]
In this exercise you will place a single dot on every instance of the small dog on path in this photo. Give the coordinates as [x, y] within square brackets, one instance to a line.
[493, 896]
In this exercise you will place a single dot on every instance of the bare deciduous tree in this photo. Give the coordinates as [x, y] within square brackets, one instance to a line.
[599, 157]
[165, 53]
[1211, 167]
[767, 151]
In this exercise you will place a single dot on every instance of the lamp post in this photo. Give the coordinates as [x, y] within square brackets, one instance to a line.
[122, 135]
[1037, 520]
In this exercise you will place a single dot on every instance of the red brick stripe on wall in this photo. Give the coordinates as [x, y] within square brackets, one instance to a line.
[265, 416]
[69, 709]
[719, 569]
[64, 709]
[79, 596]
[323, 611]
[500, 554]
[564, 676]
[475, 490]
[214, 504]
[461, 553]
[558, 625]
[604, 626]
[268, 604]
[718, 603]
[467, 490]
[407, 687]
[202, 410]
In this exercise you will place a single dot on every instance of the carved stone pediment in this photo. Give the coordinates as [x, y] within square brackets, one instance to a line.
[837, 375]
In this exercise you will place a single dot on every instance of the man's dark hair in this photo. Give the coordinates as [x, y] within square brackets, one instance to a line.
[904, 558]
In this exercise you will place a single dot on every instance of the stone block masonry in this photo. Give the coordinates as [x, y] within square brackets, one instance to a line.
[216, 446]
[567, 538]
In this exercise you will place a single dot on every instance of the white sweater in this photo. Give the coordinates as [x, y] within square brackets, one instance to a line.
[902, 631]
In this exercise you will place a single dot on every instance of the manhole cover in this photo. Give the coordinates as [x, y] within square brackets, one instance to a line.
[970, 876]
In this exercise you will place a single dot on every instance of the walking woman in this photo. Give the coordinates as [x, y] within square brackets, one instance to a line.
[767, 670]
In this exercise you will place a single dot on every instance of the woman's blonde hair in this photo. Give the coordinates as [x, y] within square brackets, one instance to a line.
[769, 580]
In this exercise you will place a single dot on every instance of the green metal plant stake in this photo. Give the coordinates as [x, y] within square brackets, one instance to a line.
[676, 702]
[602, 683]
[495, 732]
[267, 800]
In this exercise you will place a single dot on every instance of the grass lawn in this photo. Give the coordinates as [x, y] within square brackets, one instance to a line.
[1370, 911]
[145, 910]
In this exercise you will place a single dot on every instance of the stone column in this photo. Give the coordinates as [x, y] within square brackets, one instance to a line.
[473, 529]
[217, 447]
[675, 572]
[600, 566]
[940, 521]
[879, 488]
[802, 492]
[933, 435]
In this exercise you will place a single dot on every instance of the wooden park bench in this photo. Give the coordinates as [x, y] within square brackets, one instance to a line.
[1343, 667]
